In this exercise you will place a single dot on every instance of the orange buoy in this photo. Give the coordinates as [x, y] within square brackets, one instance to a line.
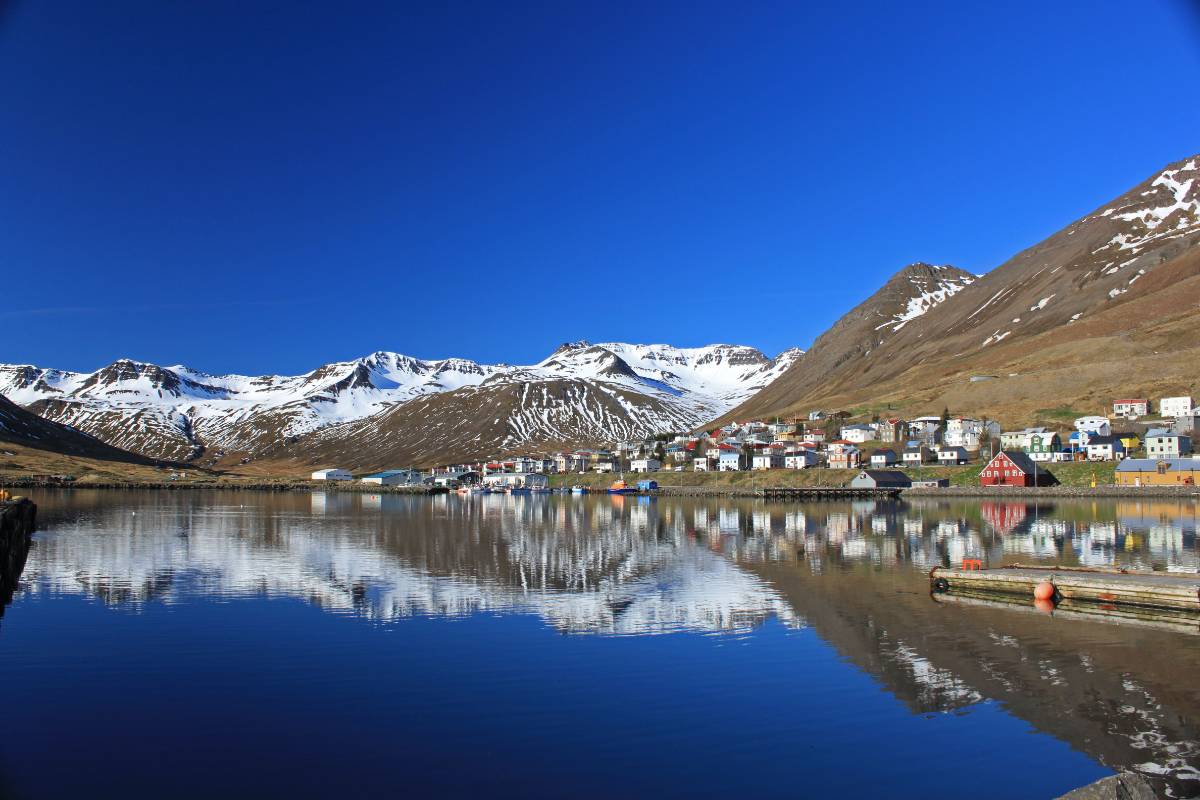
[1044, 591]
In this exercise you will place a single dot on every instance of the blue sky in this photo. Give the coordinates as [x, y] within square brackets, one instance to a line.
[265, 187]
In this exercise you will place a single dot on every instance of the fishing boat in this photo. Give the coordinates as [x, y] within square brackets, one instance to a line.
[621, 487]
[579, 489]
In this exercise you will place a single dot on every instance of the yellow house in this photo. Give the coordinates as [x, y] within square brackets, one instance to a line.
[1158, 472]
[1130, 440]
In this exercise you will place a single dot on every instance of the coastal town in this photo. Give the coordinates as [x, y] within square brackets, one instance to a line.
[1149, 443]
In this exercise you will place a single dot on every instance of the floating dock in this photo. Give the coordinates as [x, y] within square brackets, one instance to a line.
[1108, 589]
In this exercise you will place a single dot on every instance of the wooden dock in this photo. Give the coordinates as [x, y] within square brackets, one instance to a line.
[1105, 587]
[826, 493]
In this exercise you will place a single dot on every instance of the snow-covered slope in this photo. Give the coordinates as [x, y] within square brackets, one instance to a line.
[616, 391]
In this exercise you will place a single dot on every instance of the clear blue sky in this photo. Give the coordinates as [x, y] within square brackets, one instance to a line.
[268, 186]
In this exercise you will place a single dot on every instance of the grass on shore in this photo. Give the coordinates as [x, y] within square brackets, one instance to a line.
[1076, 474]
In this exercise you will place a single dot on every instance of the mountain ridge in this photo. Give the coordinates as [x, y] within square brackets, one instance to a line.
[183, 414]
[1035, 302]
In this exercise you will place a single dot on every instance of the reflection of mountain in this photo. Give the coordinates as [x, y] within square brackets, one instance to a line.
[589, 573]
[856, 574]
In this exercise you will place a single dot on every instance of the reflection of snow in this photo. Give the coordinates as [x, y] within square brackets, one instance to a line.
[615, 582]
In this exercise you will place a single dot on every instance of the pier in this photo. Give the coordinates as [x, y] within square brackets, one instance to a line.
[1081, 588]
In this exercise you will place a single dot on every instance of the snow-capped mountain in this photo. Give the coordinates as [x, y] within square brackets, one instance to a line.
[582, 393]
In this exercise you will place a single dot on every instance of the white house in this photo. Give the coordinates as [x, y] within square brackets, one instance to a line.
[883, 458]
[767, 459]
[393, 477]
[731, 460]
[1019, 440]
[858, 433]
[952, 455]
[1131, 408]
[1163, 443]
[813, 435]
[645, 465]
[968, 433]
[1175, 406]
[704, 464]
[1094, 424]
[1105, 448]
[517, 480]
[917, 454]
[523, 464]
[801, 459]
[570, 462]
[332, 474]
[927, 430]
[604, 465]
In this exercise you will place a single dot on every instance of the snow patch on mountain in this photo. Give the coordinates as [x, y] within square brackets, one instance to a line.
[177, 411]
[929, 294]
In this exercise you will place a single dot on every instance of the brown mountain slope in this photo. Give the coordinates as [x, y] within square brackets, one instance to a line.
[481, 421]
[1099, 309]
[28, 430]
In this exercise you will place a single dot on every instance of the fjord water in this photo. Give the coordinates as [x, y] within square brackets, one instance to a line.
[193, 644]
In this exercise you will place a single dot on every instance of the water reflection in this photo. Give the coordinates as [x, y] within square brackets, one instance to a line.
[852, 573]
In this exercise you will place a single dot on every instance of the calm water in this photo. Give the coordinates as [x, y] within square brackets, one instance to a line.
[246, 645]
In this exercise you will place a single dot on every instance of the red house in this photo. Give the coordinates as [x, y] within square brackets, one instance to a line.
[1014, 468]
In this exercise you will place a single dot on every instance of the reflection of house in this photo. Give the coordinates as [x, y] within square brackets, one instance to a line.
[1004, 517]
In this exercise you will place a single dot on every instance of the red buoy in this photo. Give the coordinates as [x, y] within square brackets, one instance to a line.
[1044, 591]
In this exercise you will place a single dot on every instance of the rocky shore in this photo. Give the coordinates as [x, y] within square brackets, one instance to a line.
[1001, 492]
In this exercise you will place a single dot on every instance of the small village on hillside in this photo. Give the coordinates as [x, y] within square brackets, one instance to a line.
[1150, 445]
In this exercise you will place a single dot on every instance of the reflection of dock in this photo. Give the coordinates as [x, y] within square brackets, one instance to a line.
[1176, 621]
[1104, 587]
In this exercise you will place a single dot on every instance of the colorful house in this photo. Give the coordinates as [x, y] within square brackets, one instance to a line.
[1014, 468]
[1158, 472]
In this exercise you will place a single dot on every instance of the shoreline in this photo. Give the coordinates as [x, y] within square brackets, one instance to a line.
[747, 492]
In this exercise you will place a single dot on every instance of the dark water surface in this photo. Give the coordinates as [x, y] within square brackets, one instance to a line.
[189, 644]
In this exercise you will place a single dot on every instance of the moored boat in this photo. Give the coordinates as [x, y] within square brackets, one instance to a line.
[578, 489]
[621, 487]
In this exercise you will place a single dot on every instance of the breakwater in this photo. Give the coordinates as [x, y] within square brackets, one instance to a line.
[18, 517]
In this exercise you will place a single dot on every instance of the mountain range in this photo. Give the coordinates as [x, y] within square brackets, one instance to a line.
[386, 408]
[1106, 307]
